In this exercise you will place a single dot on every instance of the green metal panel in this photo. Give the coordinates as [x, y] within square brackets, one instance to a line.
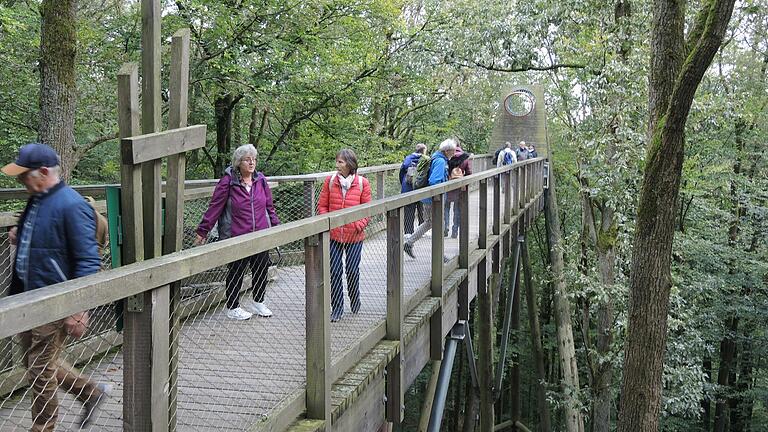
[115, 243]
[115, 227]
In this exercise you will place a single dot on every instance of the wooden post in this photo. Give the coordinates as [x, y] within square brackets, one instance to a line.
[310, 206]
[137, 401]
[496, 218]
[508, 197]
[151, 122]
[482, 221]
[395, 385]
[429, 398]
[318, 312]
[485, 351]
[380, 185]
[464, 252]
[436, 321]
[157, 304]
[174, 221]
[496, 226]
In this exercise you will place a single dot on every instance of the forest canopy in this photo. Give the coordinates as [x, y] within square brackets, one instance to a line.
[302, 79]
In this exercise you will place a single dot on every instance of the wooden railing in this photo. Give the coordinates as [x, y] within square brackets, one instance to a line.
[523, 181]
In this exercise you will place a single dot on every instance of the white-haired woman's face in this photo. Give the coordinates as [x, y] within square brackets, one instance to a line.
[248, 165]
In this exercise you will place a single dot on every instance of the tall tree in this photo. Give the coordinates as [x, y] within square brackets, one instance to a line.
[677, 66]
[58, 91]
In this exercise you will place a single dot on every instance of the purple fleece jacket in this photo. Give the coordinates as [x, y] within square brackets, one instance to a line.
[238, 211]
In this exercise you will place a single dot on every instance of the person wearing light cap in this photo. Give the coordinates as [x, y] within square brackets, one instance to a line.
[55, 241]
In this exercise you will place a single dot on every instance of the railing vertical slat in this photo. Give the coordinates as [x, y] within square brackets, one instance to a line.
[310, 206]
[380, 185]
[464, 253]
[395, 385]
[318, 333]
[496, 222]
[482, 221]
[436, 321]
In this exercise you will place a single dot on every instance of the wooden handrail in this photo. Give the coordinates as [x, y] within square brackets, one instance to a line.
[34, 308]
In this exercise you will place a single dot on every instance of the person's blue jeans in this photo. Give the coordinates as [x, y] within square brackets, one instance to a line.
[456, 217]
[352, 267]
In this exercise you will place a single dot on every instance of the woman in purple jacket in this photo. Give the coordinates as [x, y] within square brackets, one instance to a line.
[242, 203]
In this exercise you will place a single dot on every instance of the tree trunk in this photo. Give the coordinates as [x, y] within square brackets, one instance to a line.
[536, 344]
[58, 91]
[606, 260]
[223, 111]
[237, 132]
[741, 416]
[259, 121]
[672, 86]
[706, 405]
[565, 344]
[514, 373]
[727, 358]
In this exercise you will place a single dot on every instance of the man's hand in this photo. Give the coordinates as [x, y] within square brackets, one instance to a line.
[199, 240]
[12, 235]
[76, 325]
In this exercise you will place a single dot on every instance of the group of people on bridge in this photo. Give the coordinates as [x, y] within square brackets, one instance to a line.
[56, 241]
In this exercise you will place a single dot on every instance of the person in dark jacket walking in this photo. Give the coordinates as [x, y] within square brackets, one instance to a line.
[407, 175]
[241, 204]
[438, 173]
[342, 190]
[55, 242]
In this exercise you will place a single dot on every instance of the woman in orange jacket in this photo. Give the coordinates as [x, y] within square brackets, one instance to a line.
[342, 190]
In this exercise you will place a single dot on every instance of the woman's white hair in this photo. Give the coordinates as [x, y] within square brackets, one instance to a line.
[447, 145]
[241, 153]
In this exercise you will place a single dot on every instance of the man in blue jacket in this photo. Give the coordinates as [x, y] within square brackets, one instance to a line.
[438, 173]
[55, 241]
[407, 175]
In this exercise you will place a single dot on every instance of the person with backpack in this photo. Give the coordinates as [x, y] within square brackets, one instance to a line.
[241, 204]
[55, 241]
[407, 176]
[344, 189]
[459, 166]
[505, 155]
[436, 172]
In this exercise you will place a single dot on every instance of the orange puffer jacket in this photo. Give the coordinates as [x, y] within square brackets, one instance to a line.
[332, 199]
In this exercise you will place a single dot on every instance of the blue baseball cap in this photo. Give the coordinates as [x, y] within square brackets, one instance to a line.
[32, 156]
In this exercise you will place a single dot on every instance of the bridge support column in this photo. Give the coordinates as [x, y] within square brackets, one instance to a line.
[436, 321]
[395, 385]
[318, 334]
[464, 253]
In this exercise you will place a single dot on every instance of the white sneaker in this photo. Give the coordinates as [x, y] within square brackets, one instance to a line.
[262, 310]
[256, 308]
[238, 314]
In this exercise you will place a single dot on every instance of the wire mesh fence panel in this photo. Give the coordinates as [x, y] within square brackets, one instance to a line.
[358, 285]
[44, 387]
[417, 267]
[242, 334]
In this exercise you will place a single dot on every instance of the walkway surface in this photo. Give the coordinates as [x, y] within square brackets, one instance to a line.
[233, 373]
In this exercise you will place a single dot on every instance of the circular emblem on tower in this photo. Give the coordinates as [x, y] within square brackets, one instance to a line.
[519, 103]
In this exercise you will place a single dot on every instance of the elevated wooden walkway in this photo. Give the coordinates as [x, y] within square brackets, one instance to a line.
[252, 375]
